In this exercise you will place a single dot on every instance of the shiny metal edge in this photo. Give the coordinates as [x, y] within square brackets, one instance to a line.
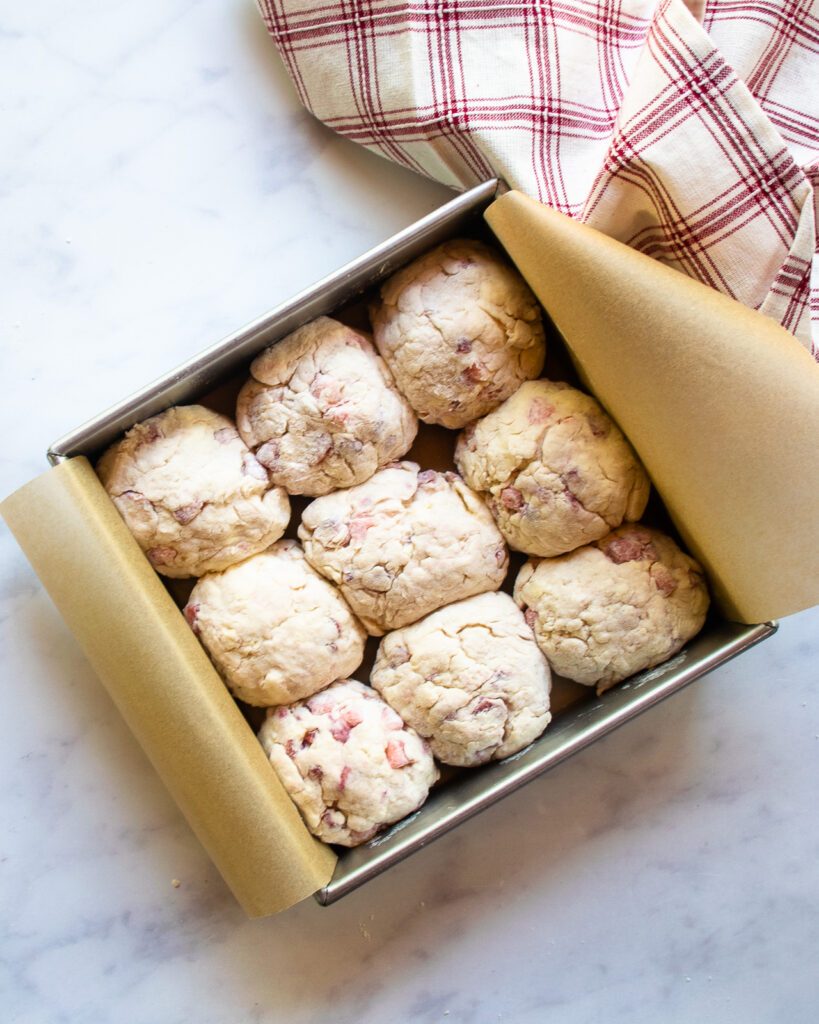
[572, 731]
[204, 370]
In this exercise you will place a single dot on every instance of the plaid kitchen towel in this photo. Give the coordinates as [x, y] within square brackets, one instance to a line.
[689, 131]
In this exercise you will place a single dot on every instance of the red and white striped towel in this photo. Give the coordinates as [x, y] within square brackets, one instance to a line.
[691, 132]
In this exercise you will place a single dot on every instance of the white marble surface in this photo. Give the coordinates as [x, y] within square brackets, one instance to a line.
[159, 185]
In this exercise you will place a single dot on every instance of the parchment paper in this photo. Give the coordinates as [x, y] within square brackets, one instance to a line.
[721, 403]
[166, 688]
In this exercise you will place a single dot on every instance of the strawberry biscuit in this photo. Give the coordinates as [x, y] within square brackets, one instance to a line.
[613, 608]
[469, 678]
[554, 469]
[403, 544]
[274, 628]
[194, 497]
[460, 330]
[348, 761]
[321, 410]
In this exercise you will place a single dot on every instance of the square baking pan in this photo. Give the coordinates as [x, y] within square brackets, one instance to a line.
[581, 718]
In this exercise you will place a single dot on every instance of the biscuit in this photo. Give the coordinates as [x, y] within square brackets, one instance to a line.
[321, 410]
[554, 469]
[275, 629]
[348, 761]
[403, 544]
[610, 609]
[191, 493]
[469, 678]
[460, 330]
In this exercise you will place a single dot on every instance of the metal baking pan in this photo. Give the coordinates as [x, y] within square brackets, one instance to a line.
[580, 717]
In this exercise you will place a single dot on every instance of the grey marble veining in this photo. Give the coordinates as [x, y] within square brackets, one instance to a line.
[160, 185]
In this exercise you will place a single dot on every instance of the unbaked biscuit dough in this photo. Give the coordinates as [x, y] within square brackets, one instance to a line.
[403, 544]
[321, 410]
[613, 608]
[469, 678]
[348, 761]
[460, 330]
[191, 493]
[554, 469]
[275, 629]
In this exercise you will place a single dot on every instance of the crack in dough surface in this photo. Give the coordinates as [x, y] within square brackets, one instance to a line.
[554, 469]
[460, 330]
[192, 494]
[469, 678]
[275, 629]
[348, 761]
[321, 410]
[623, 604]
[403, 544]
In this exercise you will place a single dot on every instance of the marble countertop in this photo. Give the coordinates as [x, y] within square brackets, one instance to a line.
[159, 186]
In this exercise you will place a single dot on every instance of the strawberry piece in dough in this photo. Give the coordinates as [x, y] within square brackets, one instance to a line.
[396, 754]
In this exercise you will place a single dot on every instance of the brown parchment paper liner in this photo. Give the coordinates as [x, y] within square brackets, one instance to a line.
[166, 689]
[721, 403]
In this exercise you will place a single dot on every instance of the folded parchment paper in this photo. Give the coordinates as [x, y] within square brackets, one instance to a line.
[721, 403]
[166, 688]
